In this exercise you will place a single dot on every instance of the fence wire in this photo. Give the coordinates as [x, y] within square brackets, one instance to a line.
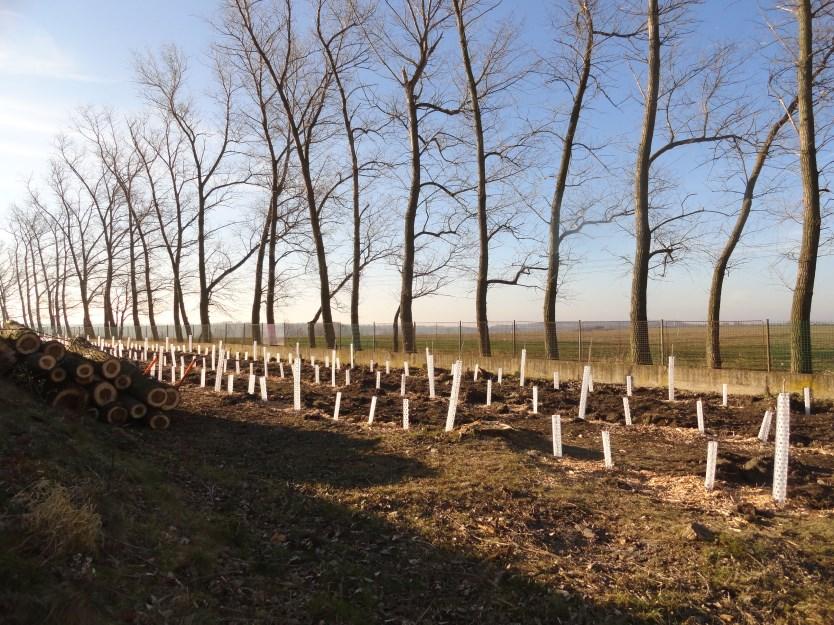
[754, 345]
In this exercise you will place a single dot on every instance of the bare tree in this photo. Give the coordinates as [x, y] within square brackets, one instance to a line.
[696, 107]
[492, 70]
[302, 80]
[211, 175]
[762, 152]
[406, 44]
[338, 27]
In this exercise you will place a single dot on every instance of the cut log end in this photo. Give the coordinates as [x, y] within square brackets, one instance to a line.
[115, 414]
[137, 410]
[70, 400]
[27, 344]
[40, 362]
[54, 349]
[172, 398]
[122, 382]
[156, 397]
[57, 375]
[111, 369]
[159, 421]
[104, 393]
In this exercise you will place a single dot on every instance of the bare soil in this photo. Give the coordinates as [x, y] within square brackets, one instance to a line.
[249, 512]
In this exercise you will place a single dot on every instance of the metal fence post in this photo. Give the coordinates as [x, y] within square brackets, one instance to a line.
[579, 349]
[662, 347]
[513, 338]
[373, 341]
[767, 343]
[460, 340]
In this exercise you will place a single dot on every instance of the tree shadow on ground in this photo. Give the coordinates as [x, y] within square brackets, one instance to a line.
[522, 439]
[241, 522]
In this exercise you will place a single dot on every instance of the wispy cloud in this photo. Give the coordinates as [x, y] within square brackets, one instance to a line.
[27, 49]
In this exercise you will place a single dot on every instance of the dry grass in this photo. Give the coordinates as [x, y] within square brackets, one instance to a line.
[55, 523]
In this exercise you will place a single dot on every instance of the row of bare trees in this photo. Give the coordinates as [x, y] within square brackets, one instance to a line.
[423, 135]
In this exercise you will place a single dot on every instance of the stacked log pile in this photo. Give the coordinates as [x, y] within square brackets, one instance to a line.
[78, 377]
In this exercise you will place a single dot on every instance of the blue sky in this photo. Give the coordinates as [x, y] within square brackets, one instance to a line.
[58, 55]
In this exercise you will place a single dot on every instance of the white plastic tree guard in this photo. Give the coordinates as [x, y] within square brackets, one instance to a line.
[807, 396]
[251, 388]
[500, 374]
[453, 398]
[378, 379]
[264, 396]
[337, 406]
[523, 368]
[725, 395]
[764, 429]
[535, 400]
[296, 384]
[556, 382]
[430, 368]
[405, 414]
[606, 449]
[489, 392]
[230, 387]
[556, 426]
[712, 457]
[699, 413]
[782, 443]
[671, 375]
[627, 411]
[372, 411]
[583, 394]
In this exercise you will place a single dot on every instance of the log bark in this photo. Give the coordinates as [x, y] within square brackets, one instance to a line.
[25, 341]
[39, 363]
[8, 356]
[77, 368]
[108, 366]
[145, 390]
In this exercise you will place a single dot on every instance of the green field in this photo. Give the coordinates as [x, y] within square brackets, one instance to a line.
[744, 345]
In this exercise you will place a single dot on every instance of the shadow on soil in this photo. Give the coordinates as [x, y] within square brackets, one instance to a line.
[235, 522]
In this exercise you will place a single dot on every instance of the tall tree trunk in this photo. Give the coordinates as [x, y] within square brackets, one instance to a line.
[482, 278]
[720, 270]
[639, 335]
[395, 345]
[205, 319]
[64, 278]
[407, 290]
[811, 220]
[134, 286]
[258, 296]
[551, 288]
[146, 257]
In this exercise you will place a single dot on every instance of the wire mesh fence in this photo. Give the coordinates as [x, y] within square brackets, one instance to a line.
[754, 345]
